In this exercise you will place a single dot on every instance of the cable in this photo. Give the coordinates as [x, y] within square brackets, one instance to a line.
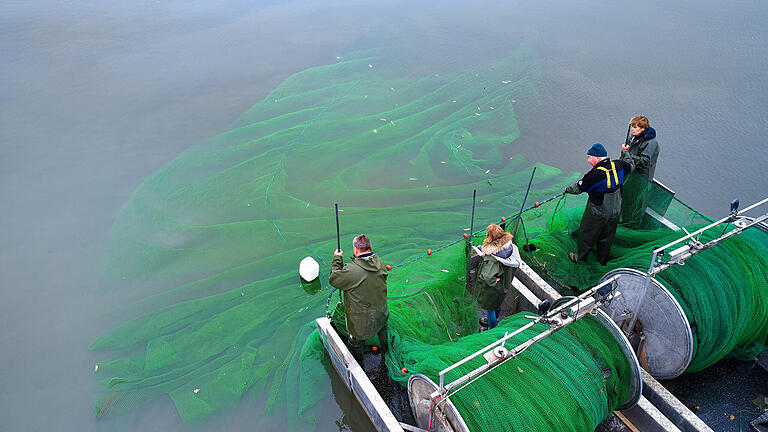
[759, 411]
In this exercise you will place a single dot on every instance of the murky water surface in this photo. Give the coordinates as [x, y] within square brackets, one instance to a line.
[96, 98]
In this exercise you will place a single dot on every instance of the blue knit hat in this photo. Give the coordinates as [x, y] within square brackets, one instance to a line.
[598, 150]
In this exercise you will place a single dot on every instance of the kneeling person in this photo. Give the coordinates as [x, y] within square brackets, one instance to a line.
[363, 282]
[603, 183]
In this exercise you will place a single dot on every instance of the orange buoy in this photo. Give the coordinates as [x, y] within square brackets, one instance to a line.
[465, 235]
[404, 370]
[375, 348]
[503, 219]
[536, 204]
[389, 267]
[429, 251]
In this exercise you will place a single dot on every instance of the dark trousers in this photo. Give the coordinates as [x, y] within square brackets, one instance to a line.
[596, 231]
[356, 346]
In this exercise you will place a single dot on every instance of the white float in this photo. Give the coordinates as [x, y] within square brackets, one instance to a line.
[309, 269]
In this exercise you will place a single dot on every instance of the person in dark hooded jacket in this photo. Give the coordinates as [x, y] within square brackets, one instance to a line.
[500, 261]
[640, 151]
[363, 282]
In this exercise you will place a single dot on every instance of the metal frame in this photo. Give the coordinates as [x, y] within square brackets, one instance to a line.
[692, 248]
[496, 354]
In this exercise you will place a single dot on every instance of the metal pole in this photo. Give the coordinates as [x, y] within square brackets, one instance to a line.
[640, 301]
[472, 220]
[520, 214]
[468, 249]
[338, 236]
[713, 224]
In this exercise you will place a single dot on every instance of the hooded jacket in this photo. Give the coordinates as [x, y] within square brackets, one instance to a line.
[604, 199]
[643, 153]
[364, 284]
[491, 293]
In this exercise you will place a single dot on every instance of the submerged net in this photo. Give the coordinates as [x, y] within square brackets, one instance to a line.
[205, 252]
[722, 290]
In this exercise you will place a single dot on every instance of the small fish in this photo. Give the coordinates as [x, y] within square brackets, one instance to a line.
[249, 204]
[513, 101]
[382, 119]
[195, 391]
[392, 88]
[375, 131]
[487, 171]
[466, 229]
[453, 101]
[442, 162]
[477, 114]
[491, 107]
[370, 66]
[341, 211]
[519, 370]
[338, 58]
[412, 178]
[445, 271]
[391, 122]
[96, 368]
[459, 146]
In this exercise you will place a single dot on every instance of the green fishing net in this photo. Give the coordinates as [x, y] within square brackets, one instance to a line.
[571, 380]
[204, 255]
[722, 290]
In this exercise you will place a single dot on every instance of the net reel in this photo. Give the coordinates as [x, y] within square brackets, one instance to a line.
[430, 401]
[647, 312]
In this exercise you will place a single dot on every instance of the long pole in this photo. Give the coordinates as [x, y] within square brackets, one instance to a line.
[522, 206]
[338, 236]
[472, 220]
[468, 249]
[626, 140]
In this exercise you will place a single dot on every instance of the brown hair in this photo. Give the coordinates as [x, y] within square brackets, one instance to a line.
[494, 232]
[362, 243]
[640, 121]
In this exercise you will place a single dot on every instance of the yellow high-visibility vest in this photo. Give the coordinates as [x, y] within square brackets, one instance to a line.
[608, 174]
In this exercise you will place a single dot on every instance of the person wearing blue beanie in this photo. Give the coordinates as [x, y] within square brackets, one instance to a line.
[598, 150]
[603, 183]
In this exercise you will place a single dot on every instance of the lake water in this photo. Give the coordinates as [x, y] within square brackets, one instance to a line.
[95, 98]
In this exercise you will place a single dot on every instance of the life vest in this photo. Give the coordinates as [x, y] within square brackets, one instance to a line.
[614, 178]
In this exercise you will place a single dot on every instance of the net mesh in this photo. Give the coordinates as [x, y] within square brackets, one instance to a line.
[204, 254]
[571, 380]
[722, 290]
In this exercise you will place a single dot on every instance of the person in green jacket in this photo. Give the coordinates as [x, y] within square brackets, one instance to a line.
[500, 261]
[603, 183]
[640, 151]
[363, 282]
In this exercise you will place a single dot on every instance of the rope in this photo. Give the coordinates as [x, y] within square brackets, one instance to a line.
[476, 232]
